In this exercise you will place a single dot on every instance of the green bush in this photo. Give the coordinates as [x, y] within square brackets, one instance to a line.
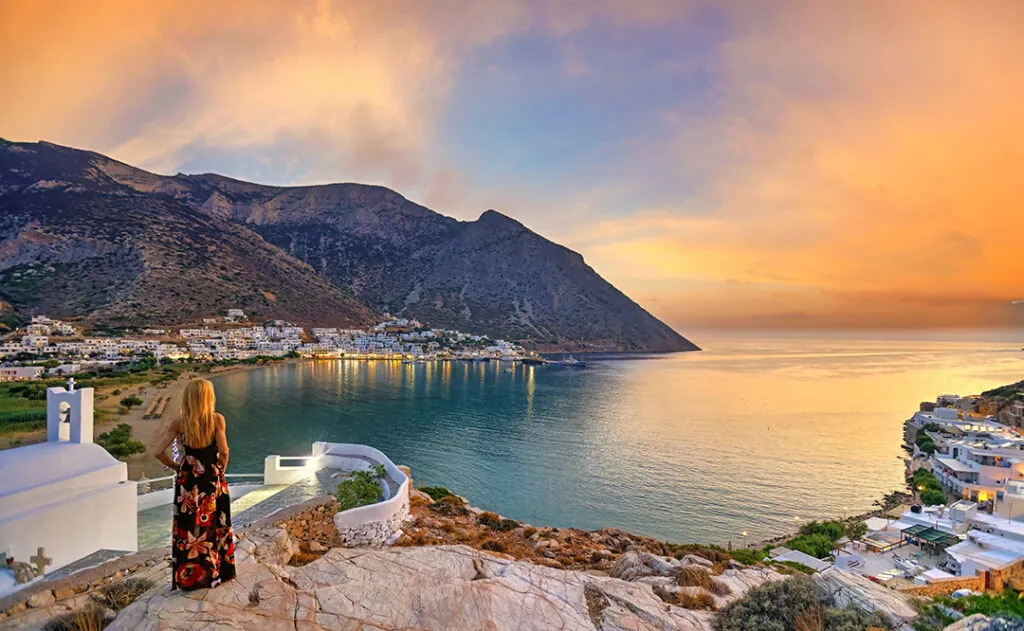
[773, 606]
[817, 545]
[131, 401]
[931, 497]
[360, 488]
[436, 492]
[747, 556]
[927, 479]
[119, 442]
[831, 529]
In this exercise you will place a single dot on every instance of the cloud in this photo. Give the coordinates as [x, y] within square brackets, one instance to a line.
[824, 163]
[858, 157]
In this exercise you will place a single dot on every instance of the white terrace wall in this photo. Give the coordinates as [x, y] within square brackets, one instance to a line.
[377, 524]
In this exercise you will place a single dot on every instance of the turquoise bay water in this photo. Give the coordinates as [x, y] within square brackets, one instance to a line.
[752, 434]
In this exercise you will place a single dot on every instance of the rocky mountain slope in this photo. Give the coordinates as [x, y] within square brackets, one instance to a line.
[491, 276]
[77, 243]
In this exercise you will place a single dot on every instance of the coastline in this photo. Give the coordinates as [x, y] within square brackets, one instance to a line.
[148, 430]
[144, 430]
[888, 502]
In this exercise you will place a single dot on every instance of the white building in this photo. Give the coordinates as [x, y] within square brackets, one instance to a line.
[982, 552]
[67, 495]
[20, 373]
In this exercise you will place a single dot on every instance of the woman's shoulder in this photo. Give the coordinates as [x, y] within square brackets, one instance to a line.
[221, 421]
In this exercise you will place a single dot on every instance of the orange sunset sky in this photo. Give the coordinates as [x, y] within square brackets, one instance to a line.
[790, 164]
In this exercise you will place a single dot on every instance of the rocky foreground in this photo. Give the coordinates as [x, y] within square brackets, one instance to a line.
[434, 587]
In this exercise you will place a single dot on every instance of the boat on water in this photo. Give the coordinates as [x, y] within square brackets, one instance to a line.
[569, 361]
[533, 361]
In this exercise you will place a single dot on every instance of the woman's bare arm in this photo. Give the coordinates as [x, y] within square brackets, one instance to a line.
[222, 442]
[165, 440]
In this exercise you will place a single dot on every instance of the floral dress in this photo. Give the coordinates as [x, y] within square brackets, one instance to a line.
[202, 543]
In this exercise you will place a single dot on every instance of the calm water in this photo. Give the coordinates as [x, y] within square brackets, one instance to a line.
[745, 436]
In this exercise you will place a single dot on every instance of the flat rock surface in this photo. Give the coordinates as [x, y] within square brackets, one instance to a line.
[443, 587]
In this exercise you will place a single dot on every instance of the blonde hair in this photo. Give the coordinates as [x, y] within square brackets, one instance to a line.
[198, 419]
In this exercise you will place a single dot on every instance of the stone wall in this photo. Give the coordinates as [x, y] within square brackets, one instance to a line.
[998, 579]
[315, 523]
[34, 605]
[373, 533]
[946, 586]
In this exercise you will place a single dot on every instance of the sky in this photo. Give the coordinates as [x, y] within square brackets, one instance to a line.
[739, 164]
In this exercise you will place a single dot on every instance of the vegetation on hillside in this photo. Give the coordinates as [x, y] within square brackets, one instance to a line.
[929, 487]
[818, 538]
[794, 604]
[925, 442]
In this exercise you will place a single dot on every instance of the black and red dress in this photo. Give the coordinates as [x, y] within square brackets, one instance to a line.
[202, 543]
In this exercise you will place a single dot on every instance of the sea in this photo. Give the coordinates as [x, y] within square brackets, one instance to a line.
[739, 442]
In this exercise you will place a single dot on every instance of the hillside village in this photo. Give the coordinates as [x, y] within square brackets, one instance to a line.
[233, 337]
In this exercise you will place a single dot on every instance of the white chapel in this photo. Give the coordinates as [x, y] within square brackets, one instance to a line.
[66, 495]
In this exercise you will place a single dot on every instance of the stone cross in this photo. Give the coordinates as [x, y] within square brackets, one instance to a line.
[41, 561]
[71, 384]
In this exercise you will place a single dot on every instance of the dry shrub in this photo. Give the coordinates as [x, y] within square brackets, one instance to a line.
[447, 527]
[88, 619]
[700, 600]
[303, 557]
[711, 553]
[450, 506]
[119, 594]
[494, 522]
[692, 576]
[529, 531]
[410, 539]
[719, 588]
[813, 620]
[493, 546]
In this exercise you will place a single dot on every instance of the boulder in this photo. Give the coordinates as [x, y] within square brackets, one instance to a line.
[23, 572]
[693, 559]
[633, 565]
[848, 588]
[317, 547]
[41, 598]
[271, 546]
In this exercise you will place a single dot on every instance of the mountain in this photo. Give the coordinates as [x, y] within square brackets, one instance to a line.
[77, 243]
[363, 244]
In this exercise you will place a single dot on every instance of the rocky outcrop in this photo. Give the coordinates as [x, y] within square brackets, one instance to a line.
[849, 588]
[411, 588]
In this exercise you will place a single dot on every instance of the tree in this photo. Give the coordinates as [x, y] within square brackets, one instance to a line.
[932, 497]
[131, 401]
[856, 530]
[119, 442]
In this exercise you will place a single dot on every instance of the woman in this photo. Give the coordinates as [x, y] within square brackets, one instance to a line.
[202, 544]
